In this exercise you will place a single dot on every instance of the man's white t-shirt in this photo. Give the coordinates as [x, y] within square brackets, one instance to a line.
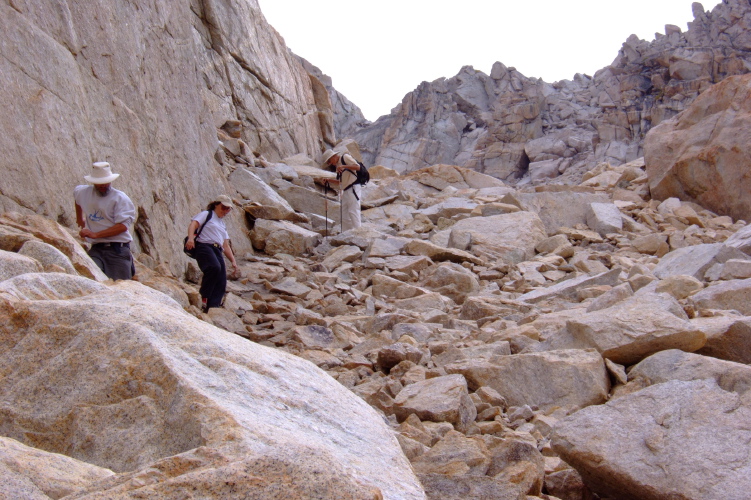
[215, 230]
[103, 212]
[348, 177]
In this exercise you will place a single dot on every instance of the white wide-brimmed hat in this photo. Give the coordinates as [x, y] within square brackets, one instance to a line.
[225, 200]
[101, 174]
[328, 154]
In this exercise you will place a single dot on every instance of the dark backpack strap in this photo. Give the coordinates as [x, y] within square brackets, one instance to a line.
[353, 191]
[208, 218]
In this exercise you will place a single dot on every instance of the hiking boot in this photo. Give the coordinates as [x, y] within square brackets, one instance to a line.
[204, 305]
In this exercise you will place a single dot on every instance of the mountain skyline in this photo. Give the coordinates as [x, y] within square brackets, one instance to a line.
[397, 45]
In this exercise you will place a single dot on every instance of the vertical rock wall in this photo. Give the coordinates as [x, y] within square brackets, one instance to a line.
[143, 85]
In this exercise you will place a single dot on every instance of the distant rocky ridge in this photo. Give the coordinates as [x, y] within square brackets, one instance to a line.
[518, 128]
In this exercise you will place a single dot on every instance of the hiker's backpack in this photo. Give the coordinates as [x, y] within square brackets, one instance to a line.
[363, 176]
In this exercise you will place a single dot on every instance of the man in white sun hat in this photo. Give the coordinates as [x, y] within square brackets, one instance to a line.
[104, 215]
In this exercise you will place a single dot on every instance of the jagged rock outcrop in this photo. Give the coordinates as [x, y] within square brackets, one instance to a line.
[706, 145]
[346, 117]
[510, 126]
[77, 86]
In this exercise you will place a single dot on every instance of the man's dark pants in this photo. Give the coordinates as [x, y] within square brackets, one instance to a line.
[114, 259]
[211, 262]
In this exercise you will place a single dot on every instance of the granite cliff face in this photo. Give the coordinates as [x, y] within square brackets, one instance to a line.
[513, 127]
[145, 86]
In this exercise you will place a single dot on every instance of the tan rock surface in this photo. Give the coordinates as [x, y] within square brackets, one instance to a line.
[703, 146]
[689, 431]
[509, 237]
[518, 377]
[30, 473]
[441, 399]
[633, 329]
[128, 358]
[733, 294]
[148, 100]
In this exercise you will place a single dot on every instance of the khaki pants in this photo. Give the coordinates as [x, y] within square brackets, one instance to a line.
[351, 208]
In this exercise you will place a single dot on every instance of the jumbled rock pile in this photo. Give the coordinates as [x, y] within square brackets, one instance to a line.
[479, 319]
[553, 342]
[502, 333]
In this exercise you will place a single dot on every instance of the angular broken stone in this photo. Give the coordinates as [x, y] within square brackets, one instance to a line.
[290, 286]
[568, 289]
[730, 295]
[575, 378]
[133, 335]
[604, 218]
[440, 399]
[678, 428]
[437, 253]
[509, 237]
[633, 329]
[391, 355]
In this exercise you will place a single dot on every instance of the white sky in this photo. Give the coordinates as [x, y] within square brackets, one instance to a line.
[376, 51]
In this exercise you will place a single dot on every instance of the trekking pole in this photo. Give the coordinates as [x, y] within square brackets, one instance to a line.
[326, 205]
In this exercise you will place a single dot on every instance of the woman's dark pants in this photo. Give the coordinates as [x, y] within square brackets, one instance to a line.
[211, 262]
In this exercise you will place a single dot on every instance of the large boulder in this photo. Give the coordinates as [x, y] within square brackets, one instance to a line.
[732, 343]
[695, 260]
[633, 329]
[510, 237]
[676, 439]
[604, 218]
[701, 154]
[252, 188]
[733, 295]
[27, 472]
[674, 364]
[568, 289]
[440, 399]
[16, 229]
[122, 378]
[563, 206]
[571, 378]
[283, 237]
[13, 264]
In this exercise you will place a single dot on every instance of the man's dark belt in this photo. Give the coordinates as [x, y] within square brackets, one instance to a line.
[215, 245]
[114, 244]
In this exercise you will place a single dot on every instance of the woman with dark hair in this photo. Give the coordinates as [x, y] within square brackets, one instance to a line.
[212, 241]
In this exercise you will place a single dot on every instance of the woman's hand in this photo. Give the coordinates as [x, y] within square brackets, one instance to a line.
[190, 243]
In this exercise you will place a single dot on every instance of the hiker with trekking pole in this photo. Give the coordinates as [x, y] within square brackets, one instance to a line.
[351, 175]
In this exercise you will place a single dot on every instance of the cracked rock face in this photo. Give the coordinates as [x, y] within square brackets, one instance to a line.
[78, 87]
